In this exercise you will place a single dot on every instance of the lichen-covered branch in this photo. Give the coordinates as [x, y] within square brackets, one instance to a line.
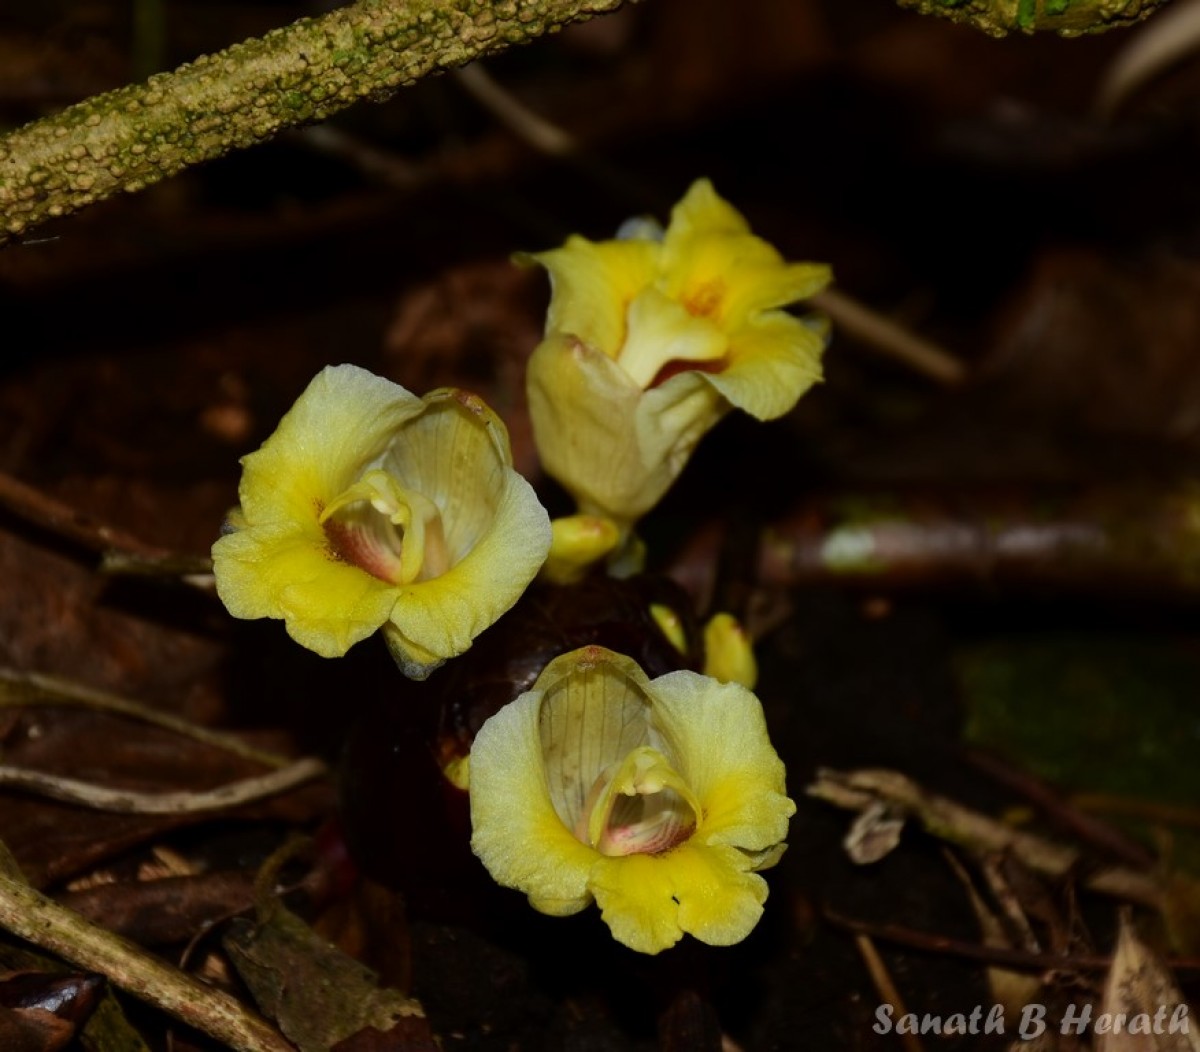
[130, 138]
[1068, 17]
[32, 916]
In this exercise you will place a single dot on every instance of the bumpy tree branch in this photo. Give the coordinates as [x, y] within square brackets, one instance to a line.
[1068, 17]
[130, 138]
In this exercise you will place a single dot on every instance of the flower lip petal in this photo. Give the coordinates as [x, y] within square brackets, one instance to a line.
[640, 807]
[661, 332]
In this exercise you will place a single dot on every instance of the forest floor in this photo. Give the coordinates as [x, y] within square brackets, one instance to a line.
[962, 186]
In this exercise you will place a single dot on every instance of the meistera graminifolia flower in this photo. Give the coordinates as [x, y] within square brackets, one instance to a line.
[659, 799]
[372, 508]
[650, 342]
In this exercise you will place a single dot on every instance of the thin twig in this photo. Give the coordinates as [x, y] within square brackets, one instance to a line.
[194, 570]
[1064, 813]
[39, 920]
[383, 166]
[120, 551]
[135, 802]
[35, 688]
[950, 821]
[62, 520]
[1152, 811]
[1017, 960]
[886, 988]
[889, 337]
[543, 135]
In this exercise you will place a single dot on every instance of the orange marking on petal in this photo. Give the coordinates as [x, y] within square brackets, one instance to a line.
[704, 299]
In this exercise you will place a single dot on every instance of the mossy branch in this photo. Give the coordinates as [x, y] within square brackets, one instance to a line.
[1067, 17]
[41, 921]
[127, 139]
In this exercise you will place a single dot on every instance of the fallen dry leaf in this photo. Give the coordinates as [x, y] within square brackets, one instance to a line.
[1142, 1002]
[318, 995]
[43, 1013]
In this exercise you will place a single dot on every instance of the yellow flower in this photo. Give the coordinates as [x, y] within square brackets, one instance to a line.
[657, 798]
[649, 343]
[372, 508]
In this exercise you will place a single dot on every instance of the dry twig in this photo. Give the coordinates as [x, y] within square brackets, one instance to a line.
[42, 922]
[135, 802]
[886, 988]
[35, 688]
[950, 821]
[996, 956]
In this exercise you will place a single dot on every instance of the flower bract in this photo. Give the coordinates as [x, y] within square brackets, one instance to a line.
[372, 508]
[659, 799]
[650, 342]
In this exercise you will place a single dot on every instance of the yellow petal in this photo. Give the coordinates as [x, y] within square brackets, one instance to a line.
[729, 652]
[615, 449]
[517, 834]
[702, 211]
[393, 533]
[289, 573]
[670, 624]
[594, 712]
[719, 902]
[752, 290]
[641, 806]
[592, 284]
[441, 616]
[649, 901]
[661, 332]
[774, 360]
[580, 541]
[456, 454]
[718, 269]
[717, 733]
[636, 899]
[341, 422]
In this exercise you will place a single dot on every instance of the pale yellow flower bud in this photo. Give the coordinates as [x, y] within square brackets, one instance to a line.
[729, 652]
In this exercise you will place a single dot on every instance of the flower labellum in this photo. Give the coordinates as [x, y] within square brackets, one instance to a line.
[659, 799]
[372, 508]
[649, 342]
